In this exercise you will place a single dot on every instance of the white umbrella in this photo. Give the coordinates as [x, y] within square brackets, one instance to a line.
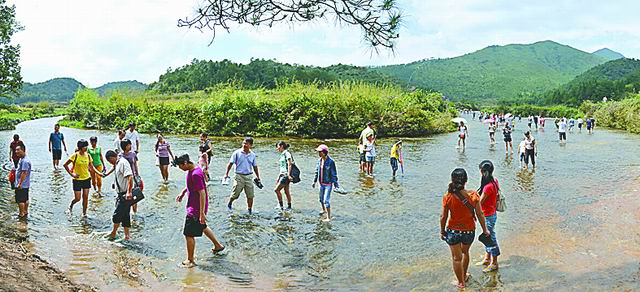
[487, 121]
[458, 120]
[507, 116]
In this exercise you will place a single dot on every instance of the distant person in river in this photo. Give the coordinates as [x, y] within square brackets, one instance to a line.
[457, 223]
[535, 121]
[530, 122]
[370, 154]
[530, 150]
[206, 143]
[124, 186]
[22, 181]
[246, 165]
[163, 152]
[132, 135]
[580, 123]
[362, 141]
[506, 132]
[488, 192]
[463, 133]
[522, 151]
[12, 149]
[117, 147]
[56, 144]
[492, 133]
[283, 181]
[562, 130]
[396, 157]
[80, 170]
[327, 177]
[589, 125]
[98, 164]
[197, 207]
[203, 161]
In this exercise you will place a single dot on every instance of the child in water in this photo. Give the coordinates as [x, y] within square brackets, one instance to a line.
[521, 150]
[203, 162]
[396, 156]
[370, 154]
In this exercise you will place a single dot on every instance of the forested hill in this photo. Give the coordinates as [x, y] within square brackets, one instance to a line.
[498, 72]
[613, 79]
[61, 90]
[608, 54]
[259, 73]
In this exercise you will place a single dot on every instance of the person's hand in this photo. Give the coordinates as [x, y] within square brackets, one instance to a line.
[203, 219]
[290, 178]
[443, 235]
[179, 198]
[129, 196]
[75, 175]
[486, 232]
[19, 186]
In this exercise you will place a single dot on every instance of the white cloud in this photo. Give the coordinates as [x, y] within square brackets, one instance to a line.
[101, 41]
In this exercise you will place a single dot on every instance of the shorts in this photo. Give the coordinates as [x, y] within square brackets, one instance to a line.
[363, 157]
[563, 136]
[122, 213]
[163, 160]
[22, 195]
[507, 139]
[283, 179]
[79, 185]
[588, 127]
[57, 154]
[580, 126]
[192, 227]
[242, 182]
[454, 237]
[394, 163]
[371, 159]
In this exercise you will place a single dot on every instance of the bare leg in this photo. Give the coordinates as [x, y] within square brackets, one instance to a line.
[278, 191]
[85, 201]
[465, 259]
[287, 192]
[127, 235]
[209, 233]
[115, 230]
[76, 198]
[458, 270]
[191, 247]
[22, 210]
[250, 203]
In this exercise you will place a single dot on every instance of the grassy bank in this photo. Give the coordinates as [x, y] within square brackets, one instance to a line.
[623, 114]
[11, 115]
[335, 111]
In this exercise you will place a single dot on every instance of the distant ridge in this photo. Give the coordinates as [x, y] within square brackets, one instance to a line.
[60, 90]
[608, 54]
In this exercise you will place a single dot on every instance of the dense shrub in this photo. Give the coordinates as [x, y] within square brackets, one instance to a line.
[525, 110]
[305, 110]
[624, 114]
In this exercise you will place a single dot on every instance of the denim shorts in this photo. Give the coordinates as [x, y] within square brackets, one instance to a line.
[394, 163]
[456, 237]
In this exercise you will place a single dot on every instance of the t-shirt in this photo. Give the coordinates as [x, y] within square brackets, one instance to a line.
[589, 123]
[12, 147]
[460, 217]
[116, 145]
[123, 171]
[462, 129]
[491, 192]
[195, 184]
[492, 129]
[370, 149]
[363, 136]
[95, 155]
[81, 165]
[56, 140]
[580, 121]
[244, 162]
[562, 127]
[395, 153]
[163, 150]
[528, 144]
[133, 137]
[522, 146]
[506, 132]
[24, 166]
[132, 157]
[284, 158]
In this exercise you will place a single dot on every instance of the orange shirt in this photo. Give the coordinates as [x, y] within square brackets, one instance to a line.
[460, 217]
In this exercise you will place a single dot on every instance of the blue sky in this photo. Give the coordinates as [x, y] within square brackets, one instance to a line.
[101, 41]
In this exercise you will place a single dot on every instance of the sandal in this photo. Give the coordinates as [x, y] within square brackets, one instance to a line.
[187, 264]
[490, 268]
[218, 250]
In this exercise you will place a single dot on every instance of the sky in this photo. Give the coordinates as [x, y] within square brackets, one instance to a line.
[101, 41]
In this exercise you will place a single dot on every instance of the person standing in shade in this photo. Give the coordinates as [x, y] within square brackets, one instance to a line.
[12, 149]
[117, 147]
[327, 177]
[56, 144]
[395, 156]
[245, 163]
[457, 223]
[197, 206]
[562, 130]
[205, 142]
[124, 186]
[82, 166]
[530, 150]
[23, 182]
[284, 177]
[488, 192]
[362, 141]
[132, 135]
[508, 142]
[163, 151]
[98, 164]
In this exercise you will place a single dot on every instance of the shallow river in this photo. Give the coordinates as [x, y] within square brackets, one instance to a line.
[571, 224]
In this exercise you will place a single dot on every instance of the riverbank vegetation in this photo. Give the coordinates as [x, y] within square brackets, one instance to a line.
[623, 114]
[327, 110]
[11, 115]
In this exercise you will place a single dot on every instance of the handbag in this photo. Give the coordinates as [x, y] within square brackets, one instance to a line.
[136, 191]
[501, 205]
[12, 178]
[295, 172]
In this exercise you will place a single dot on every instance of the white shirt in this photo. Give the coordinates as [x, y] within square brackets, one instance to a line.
[372, 149]
[562, 127]
[116, 145]
[580, 121]
[123, 171]
[528, 144]
[521, 147]
[133, 137]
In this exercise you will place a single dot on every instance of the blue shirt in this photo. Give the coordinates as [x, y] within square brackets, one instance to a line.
[56, 140]
[244, 162]
[24, 166]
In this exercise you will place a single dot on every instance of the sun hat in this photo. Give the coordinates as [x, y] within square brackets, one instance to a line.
[322, 148]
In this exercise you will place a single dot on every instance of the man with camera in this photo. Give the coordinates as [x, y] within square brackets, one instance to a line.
[245, 162]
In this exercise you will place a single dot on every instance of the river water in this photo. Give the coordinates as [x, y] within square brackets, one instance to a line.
[571, 224]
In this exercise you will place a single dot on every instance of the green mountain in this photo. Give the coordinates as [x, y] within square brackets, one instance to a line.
[259, 73]
[498, 72]
[608, 54]
[131, 85]
[613, 79]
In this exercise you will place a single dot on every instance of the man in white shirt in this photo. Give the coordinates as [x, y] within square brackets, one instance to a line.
[124, 187]
[133, 136]
[562, 130]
